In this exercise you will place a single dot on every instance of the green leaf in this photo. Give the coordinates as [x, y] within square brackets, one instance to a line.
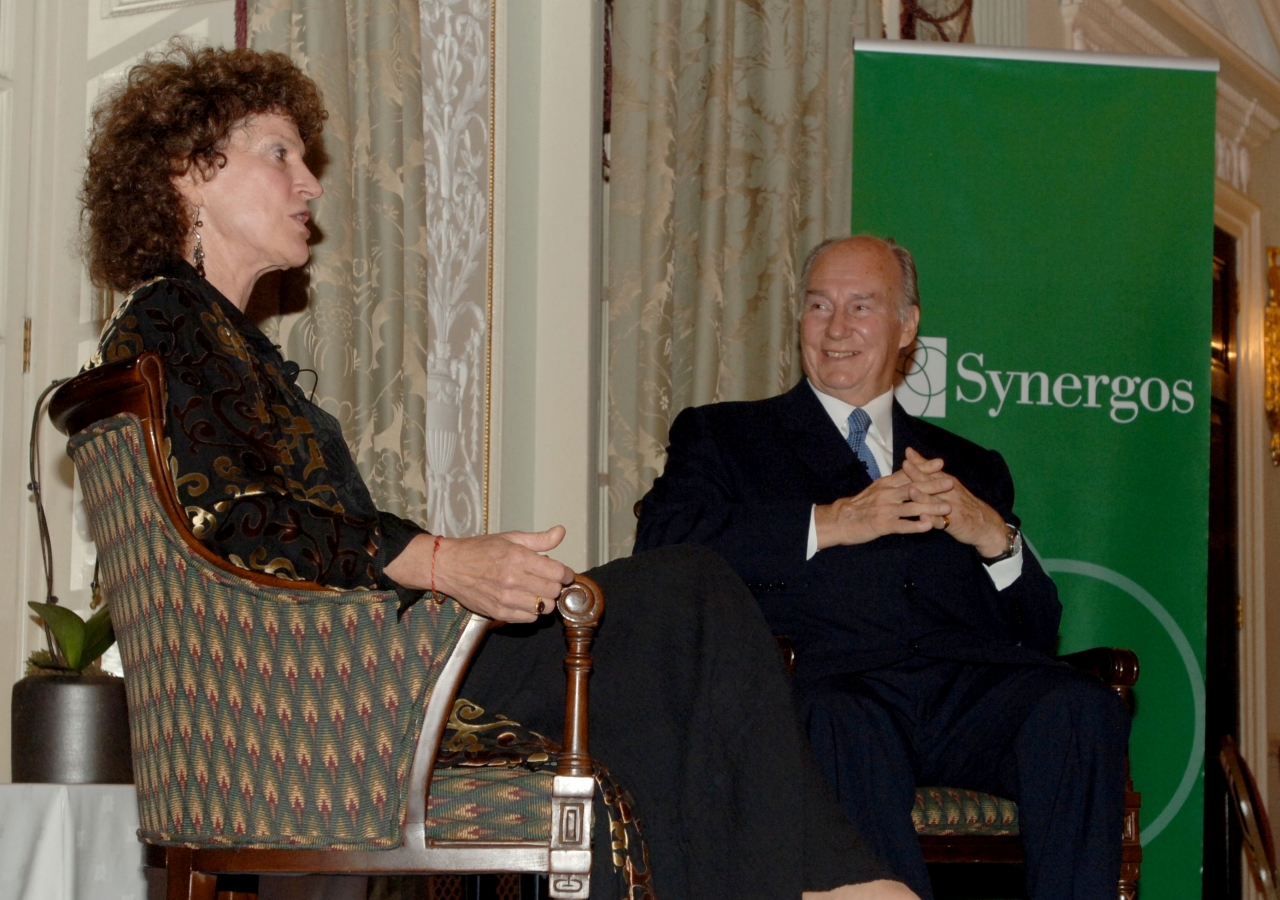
[68, 630]
[98, 636]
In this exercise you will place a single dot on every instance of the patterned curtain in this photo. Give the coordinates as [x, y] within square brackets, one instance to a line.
[456, 102]
[358, 316]
[730, 158]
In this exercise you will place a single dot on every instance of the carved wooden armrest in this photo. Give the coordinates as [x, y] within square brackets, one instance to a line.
[580, 605]
[1116, 666]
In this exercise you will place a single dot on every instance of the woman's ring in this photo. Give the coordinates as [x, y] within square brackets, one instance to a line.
[540, 607]
[946, 522]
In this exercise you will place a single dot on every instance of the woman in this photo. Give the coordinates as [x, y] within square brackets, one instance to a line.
[196, 186]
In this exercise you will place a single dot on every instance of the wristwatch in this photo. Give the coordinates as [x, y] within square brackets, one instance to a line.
[1013, 547]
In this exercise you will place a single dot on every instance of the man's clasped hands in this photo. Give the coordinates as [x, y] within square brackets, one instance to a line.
[917, 498]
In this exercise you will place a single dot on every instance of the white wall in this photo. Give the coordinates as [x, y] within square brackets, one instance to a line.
[63, 52]
[551, 295]
[1044, 25]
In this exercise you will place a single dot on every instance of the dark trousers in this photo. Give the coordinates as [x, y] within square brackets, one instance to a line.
[691, 710]
[1048, 737]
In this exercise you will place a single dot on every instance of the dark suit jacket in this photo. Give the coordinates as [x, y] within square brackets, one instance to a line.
[741, 479]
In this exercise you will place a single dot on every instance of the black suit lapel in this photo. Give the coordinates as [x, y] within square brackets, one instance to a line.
[817, 442]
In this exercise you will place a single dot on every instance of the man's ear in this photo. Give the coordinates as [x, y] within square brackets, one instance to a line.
[910, 327]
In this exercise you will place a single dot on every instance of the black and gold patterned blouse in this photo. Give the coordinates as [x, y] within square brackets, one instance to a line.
[265, 475]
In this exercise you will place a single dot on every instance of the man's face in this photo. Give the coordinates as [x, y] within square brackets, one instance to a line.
[851, 330]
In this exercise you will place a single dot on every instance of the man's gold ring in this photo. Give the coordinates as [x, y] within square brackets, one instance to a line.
[540, 607]
[946, 522]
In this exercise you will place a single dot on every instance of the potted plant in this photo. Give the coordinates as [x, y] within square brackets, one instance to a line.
[70, 719]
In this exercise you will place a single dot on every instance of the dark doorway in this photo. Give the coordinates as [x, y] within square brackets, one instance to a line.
[1221, 880]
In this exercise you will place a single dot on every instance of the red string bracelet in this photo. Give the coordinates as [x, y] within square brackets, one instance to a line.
[439, 598]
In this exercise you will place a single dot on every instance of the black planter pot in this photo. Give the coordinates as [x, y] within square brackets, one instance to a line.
[71, 729]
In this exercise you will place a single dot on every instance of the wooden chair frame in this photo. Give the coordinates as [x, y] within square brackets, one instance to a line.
[137, 386]
[1251, 813]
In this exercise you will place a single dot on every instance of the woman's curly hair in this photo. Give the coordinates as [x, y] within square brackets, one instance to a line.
[176, 109]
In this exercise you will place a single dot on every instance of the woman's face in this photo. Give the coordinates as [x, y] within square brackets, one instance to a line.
[254, 209]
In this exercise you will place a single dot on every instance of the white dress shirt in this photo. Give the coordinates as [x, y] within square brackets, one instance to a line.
[880, 443]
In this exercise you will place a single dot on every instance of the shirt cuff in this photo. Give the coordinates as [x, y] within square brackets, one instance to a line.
[396, 535]
[812, 547]
[1005, 572]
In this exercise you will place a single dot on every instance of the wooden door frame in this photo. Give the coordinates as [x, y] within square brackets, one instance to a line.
[1240, 217]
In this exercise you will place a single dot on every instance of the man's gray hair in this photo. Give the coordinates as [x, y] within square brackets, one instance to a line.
[910, 288]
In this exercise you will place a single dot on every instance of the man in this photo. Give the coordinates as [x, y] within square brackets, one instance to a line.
[887, 549]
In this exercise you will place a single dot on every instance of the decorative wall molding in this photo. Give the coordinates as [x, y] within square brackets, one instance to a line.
[1233, 21]
[458, 112]
[1110, 26]
[1243, 125]
[112, 8]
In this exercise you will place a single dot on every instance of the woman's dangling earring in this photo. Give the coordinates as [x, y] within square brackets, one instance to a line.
[197, 258]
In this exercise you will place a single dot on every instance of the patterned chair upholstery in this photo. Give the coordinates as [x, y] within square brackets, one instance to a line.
[278, 726]
[954, 811]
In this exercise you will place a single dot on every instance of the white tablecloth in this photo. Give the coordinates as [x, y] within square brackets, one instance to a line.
[80, 842]
[77, 842]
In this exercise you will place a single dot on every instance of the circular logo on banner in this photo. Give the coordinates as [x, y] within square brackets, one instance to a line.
[923, 388]
[1189, 662]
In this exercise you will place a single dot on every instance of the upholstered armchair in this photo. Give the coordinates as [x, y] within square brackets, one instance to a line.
[280, 727]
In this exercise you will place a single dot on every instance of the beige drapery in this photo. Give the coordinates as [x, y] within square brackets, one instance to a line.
[363, 325]
[730, 158]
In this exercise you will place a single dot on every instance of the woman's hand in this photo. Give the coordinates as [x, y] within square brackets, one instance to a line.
[501, 576]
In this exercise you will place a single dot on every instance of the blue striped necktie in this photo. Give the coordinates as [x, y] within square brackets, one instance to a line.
[859, 422]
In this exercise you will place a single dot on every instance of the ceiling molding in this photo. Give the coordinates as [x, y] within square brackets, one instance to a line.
[1271, 15]
[1222, 46]
[1243, 119]
[1242, 126]
[1110, 26]
[112, 8]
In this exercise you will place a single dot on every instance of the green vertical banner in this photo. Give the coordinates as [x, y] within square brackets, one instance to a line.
[1060, 210]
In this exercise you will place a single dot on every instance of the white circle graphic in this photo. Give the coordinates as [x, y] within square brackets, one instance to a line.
[1153, 606]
